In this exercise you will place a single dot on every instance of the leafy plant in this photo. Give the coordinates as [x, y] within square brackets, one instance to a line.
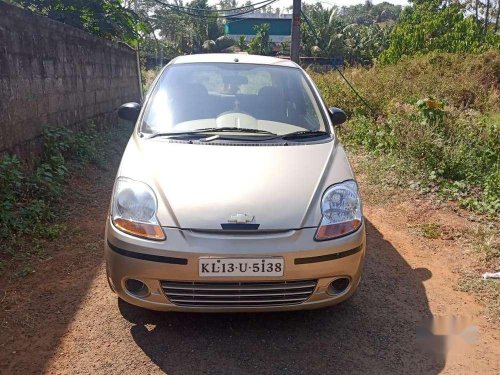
[435, 25]
[242, 44]
[432, 110]
[260, 44]
[27, 196]
[11, 178]
[449, 145]
[430, 230]
[104, 18]
[357, 37]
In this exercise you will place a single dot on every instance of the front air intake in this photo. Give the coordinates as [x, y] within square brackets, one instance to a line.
[231, 294]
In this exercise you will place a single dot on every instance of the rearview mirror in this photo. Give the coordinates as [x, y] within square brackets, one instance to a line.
[129, 111]
[337, 116]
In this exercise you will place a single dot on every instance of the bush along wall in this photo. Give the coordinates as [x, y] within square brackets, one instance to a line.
[29, 196]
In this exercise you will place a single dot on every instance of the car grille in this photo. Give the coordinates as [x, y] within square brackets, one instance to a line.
[230, 294]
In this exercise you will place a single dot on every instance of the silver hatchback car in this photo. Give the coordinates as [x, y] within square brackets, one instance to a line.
[234, 193]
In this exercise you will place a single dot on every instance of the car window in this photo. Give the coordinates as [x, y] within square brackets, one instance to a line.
[211, 79]
[256, 80]
[200, 95]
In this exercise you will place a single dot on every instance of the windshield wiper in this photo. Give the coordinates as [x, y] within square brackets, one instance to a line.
[213, 130]
[304, 133]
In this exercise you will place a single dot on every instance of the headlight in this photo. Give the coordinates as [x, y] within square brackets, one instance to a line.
[341, 209]
[134, 209]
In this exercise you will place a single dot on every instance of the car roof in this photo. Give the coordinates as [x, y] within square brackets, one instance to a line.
[241, 58]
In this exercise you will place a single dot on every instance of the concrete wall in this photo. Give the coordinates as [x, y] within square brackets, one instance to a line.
[52, 74]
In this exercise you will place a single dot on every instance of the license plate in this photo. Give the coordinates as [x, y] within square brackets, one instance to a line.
[216, 267]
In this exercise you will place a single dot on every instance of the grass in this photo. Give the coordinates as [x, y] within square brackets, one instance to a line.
[34, 201]
[148, 77]
[467, 82]
[432, 127]
[487, 243]
[435, 118]
[383, 183]
[430, 230]
[487, 291]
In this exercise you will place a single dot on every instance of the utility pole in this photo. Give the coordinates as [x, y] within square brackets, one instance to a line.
[295, 47]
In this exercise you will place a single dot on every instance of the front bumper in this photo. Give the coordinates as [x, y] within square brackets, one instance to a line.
[176, 259]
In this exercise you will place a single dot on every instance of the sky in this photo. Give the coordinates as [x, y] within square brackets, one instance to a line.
[327, 3]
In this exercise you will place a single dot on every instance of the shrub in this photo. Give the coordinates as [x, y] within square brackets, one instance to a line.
[464, 81]
[429, 26]
[437, 113]
[27, 197]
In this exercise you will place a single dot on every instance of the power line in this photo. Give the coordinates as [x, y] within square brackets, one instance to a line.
[354, 90]
[204, 16]
[214, 10]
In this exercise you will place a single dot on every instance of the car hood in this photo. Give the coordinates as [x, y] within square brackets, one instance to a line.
[203, 186]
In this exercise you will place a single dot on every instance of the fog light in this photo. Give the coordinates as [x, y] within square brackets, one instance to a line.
[338, 286]
[136, 288]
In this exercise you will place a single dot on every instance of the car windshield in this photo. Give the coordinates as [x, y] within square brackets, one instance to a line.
[190, 97]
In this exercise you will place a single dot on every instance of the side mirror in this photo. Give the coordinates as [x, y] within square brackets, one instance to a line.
[129, 111]
[337, 116]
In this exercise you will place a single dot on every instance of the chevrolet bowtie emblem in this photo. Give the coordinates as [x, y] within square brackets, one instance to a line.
[240, 218]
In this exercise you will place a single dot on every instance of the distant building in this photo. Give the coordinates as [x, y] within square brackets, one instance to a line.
[280, 26]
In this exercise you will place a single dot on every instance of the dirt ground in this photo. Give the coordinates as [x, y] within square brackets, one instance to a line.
[63, 319]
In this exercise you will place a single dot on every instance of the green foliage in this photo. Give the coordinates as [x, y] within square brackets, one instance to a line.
[285, 47]
[432, 110]
[260, 44]
[326, 32]
[365, 43]
[28, 196]
[369, 13]
[321, 32]
[11, 179]
[430, 230]
[467, 82]
[179, 33]
[488, 291]
[430, 25]
[364, 33]
[23, 272]
[104, 18]
[242, 44]
[438, 114]
[33, 200]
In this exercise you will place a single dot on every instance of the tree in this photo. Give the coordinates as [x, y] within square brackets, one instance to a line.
[331, 33]
[487, 16]
[363, 44]
[434, 26]
[497, 16]
[104, 18]
[181, 28]
[322, 29]
[368, 14]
